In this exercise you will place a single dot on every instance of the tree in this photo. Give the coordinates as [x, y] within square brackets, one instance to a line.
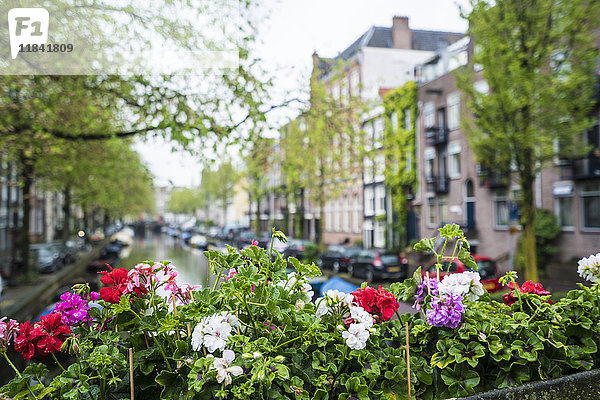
[258, 160]
[538, 59]
[218, 184]
[184, 201]
[322, 149]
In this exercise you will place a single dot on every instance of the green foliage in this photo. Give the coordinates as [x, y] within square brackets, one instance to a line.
[285, 347]
[400, 153]
[184, 201]
[311, 253]
[538, 59]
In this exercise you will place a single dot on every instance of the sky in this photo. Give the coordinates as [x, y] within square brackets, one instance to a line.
[293, 30]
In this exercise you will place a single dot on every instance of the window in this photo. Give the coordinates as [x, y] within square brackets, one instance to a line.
[355, 83]
[409, 161]
[458, 60]
[500, 210]
[379, 234]
[431, 212]
[429, 162]
[368, 170]
[346, 214]
[454, 151]
[380, 200]
[335, 92]
[443, 210]
[337, 212]
[429, 115]
[356, 219]
[344, 90]
[378, 128]
[407, 120]
[590, 198]
[369, 201]
[394, 121]
[379, 167]
[563, 209]
[453, 101]
[482, 87]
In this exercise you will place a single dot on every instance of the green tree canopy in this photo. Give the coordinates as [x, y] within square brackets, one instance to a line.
[538, 59]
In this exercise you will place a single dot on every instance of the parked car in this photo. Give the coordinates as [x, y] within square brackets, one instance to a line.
[295, 248]
[45, 257]
[487, 268]
[67, 250]
[337, 257]
[376, 265]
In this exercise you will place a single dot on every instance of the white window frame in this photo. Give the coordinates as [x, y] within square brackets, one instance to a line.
[583, 193]
[357, 211]
[379, 167]
[379, 234]
[453, 105]
[454, 150]
[431, 212]
[497, 199]
[380, 200]
[559, 210]
[369, 201]
[394, 121]
[429, 114]
[407, 119]
[378, 130]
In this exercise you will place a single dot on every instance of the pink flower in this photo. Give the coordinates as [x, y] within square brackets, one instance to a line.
[232, 272]
[8, 332]
[254, 243]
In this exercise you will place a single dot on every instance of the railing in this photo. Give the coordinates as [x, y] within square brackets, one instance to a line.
[438, 184]
[435, 136]
[580, 168]
[493, 179]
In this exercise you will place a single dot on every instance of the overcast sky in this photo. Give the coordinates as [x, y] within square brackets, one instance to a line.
[287, 39]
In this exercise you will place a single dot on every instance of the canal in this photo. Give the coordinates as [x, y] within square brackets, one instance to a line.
[191, 264]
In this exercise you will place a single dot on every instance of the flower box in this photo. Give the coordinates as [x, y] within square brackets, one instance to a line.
[255, 333]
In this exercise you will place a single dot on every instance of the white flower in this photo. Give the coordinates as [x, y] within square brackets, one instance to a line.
[356, 336]
[360, 316]
[293, 282]
[300, 304]
[340, 297]
[224, 371]
[465, 284]
[589, 268]
[322, 307]
[216, 336]
[214, 331]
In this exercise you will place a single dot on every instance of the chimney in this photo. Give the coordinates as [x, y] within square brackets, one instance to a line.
[401, 36]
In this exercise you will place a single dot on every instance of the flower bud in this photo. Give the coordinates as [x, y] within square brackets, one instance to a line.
[247, 356]
[279, 359]
[256, 355]
[340, 328]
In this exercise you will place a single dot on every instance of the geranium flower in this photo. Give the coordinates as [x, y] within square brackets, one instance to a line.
[333, 301]
[466, 284]
[224, 370]
[26, 342]
[446, 310]
[54, 333]
[117, 279]
[214, 331]
[528, 287]
[8, 331]
[73, 308]
[380, 302]
[423, 290]
[589, 268]
[356, 336]
[293, 282]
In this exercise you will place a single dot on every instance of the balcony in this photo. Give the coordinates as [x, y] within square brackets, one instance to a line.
[587, 167]
[438, 184]
[435, 136]
[493, 179]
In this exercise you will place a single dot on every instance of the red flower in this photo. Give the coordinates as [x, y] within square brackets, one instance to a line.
[379, 302]
[26, 342]
[387, 304]
[528, 287]
[365, 298]
[54, 334]
[118, 280]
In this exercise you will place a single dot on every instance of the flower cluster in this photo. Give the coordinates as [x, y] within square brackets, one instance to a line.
[589, 268]
[446, 310]
[213, 331]
[295, 284]
[8, 332]
[424, 289]
[333, 302]
[73, 308]
[466, 284]
[117, 280]
[379, 302]
[42, 338]
[224, 370]
[527, 287]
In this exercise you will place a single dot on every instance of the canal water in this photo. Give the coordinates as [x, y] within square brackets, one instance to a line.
[191, 264]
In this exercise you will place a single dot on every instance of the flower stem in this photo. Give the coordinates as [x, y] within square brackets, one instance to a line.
[162, 351]
[17, 372]
[57, 362]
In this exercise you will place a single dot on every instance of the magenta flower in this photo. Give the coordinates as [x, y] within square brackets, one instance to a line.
[8, 332]
[73, 308]
[446, 310]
